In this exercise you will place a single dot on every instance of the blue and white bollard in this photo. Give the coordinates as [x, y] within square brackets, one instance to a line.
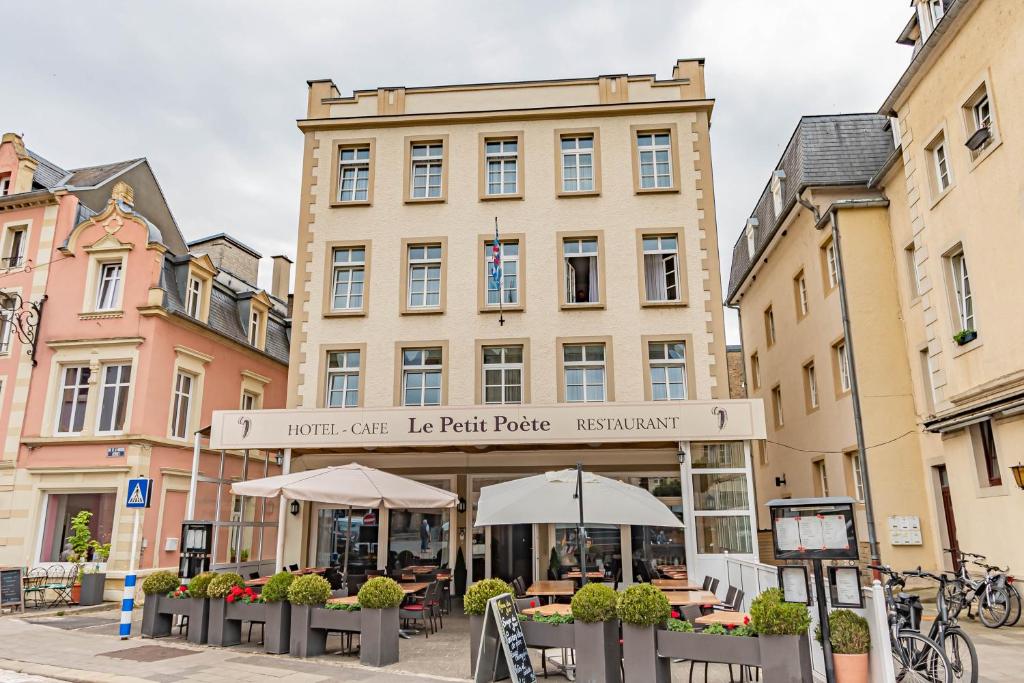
[127, 605]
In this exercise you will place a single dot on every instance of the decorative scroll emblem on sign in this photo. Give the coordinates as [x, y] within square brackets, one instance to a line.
[723, 416]
[246, 425]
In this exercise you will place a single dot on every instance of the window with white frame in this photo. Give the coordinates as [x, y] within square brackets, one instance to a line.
[843, 366]
[811, 382]
[74, 394]
[755, 370]
[776, 189]
[585, 373]
[982, 110]
[661, 267]
[857, 475]
[769, 326]
[667, 367]
[578, 163]
[721, 487]
[16, 243]
[7, 304]
[655, 156]
[424, 276]
[250, 400]
[581, 266]
[800, 286]
[427, 165]
[777, 406]
[117, 381]
[937, 9]
[255, 322]
[194, 297]
[913, 273]
[821, 472]
[943, 177]
[503, 374]
[927, 372]
[181, 404]
[962, 291]
[751, 234]
[354, 174]
[108, 292]
[422, 372]
[349, 273]
[502, 162]
[831, 265]
[5, 185]
[342, 379]
[507, 286]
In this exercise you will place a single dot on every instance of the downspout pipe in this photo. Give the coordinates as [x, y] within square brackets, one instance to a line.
[858, 419]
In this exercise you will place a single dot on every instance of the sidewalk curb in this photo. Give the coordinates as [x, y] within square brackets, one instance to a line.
[64, 674]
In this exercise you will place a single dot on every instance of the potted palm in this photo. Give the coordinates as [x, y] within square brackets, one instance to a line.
[643, 609]
[782, 634]
[474, 604]
[596, 631]
[851, 641]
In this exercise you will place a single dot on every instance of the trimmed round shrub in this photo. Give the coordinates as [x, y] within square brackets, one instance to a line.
[643, 605]
[380, 592]
[276, 589]
[198, 585]
[848, 631]
[309, 590]
[593, 603]
[221, 584]
[160, 583]
[770, 616]
[475, 600]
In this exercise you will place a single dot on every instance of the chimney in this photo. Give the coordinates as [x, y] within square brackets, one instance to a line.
[281, 278]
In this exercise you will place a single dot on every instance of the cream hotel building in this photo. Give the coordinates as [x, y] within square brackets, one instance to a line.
[603, 344]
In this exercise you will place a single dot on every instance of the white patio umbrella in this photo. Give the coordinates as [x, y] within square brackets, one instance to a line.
[557, 498]
[351, 485]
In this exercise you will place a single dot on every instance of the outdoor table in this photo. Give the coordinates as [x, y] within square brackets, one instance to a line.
[551, 589]
[410, 588]
[548, 610]
[675, 584]
[724, 618]
[350, 600]
[683, 598]
[575, 574]
[256, 583]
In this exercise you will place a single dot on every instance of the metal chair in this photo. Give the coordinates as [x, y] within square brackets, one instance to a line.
[61, 583]
[707, 583]
[254, 575]
[419, 609]
[35, 582]
[714, 586]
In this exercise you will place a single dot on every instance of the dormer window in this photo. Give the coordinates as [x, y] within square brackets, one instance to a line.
[776, 187]
[194, 297]
[937, 10]
[256, 320]
[5, 185]
[751, 237]
[254, 327]
[108, 294]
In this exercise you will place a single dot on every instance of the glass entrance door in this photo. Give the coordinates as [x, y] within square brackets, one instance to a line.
[512, 552]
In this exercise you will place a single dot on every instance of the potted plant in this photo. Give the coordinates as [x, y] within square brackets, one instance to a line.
[93, 578]
[460, 573]
[643, 608]
[965, 336]
[782, 635]
[81, 543]
[306, 593]
[474, 604]
[379, 599]
[199, 617]
[277, 613]
[224, 630]
[158, 605]
[596, 628]
[851, 641]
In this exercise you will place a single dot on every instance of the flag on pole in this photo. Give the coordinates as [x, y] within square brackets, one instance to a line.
[496, 263]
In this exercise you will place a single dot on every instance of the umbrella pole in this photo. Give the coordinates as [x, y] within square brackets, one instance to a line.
[348, 539]
[580, 531]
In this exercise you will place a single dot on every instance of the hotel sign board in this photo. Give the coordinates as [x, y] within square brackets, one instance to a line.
[489, 425]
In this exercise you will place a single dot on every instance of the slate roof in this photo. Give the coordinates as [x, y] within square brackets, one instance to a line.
[829, 150]
[48, 174]
[90, 176]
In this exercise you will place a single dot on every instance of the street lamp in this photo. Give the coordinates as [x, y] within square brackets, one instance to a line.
[1018, 475]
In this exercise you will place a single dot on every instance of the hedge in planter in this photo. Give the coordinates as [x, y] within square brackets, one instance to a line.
[228, 609]
[379, 599]
[474, 604]
[305, 594]
[642, 608]
[158, 607]
[782, 631]
[850, 637]
[596, 629]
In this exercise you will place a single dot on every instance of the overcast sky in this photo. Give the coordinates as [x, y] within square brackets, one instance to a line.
[209, 91]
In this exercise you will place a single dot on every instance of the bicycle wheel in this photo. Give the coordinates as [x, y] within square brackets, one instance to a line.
[994, 607]
[1014, 616]
[963, 658]
[955, 597]
[918, 659]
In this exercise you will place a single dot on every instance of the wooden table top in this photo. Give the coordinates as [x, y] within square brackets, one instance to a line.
[576, 574]
[410, 588]
[350, 600]
[559, 588]
[548, 610]
[419, 568]
[675, 584]
[724, 618]
[682, 598]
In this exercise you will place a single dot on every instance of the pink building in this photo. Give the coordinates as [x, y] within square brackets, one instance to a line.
[117, 340]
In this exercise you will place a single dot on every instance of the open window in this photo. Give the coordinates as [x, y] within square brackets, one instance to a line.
[582, 284]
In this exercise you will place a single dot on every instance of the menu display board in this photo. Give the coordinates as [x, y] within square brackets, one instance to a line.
[793, 581]
[501, 625]
[844, 586]
[11, 594]
[806, 530]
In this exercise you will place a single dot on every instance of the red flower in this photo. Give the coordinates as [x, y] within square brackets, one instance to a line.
[746, 621]
[729, 627]
[230, 598]
[181, 589]
[533, 603]
[675, 614]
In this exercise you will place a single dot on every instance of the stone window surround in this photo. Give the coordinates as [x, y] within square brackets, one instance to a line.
[194, 363]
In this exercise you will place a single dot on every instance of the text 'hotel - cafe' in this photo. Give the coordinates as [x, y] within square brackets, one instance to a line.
[499, 280]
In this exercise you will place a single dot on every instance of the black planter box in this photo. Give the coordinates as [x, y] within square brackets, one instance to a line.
[92, 588]
[598, 654]
[225, 623]
[476, 629]
[157, 611]
[640, 655]
[701, 647]
[785, 659]
[539, 634]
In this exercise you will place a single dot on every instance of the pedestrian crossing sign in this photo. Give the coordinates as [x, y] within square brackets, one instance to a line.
[139, 491]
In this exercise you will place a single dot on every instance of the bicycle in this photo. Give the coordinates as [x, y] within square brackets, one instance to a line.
[959, 649]
[916, 658]
[999, 603]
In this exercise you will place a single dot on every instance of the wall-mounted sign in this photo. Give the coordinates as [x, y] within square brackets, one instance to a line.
[905, 530]
[115, 452]
[480, 425]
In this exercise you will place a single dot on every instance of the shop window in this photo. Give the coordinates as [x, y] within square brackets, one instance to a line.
[417, 537]
[61, 508]
[603, 547]
[653, 546]
[721, 498]
[360, 527]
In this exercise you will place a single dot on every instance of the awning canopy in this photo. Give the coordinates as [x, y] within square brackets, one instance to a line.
[351, 485]
[549, 499]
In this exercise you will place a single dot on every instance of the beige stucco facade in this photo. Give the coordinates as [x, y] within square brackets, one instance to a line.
[960, 390]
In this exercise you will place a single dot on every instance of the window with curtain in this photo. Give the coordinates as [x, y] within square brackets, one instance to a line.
[661, 267]
[581, 265]
[721, 498]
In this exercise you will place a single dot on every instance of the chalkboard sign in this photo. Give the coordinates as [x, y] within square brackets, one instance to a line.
[512, 659]
[11, 594]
